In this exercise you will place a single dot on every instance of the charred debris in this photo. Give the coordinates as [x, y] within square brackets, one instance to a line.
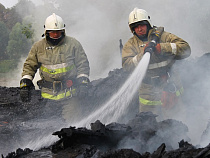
[121, 141]
[136, 138]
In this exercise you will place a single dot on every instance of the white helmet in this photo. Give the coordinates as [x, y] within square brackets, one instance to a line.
[138, 15]
[54, 22]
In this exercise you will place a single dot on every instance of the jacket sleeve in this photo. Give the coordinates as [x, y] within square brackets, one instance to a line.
[31, 64]
[81, 62]
[130, 59]
[173, 45]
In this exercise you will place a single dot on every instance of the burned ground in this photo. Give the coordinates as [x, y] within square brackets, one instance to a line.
[134, 138]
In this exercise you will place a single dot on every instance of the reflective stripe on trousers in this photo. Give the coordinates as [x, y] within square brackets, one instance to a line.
[59, 96]
[149, 102]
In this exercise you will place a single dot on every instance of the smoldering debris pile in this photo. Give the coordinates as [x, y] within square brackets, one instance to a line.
[20, 121]
[134, 138]
[122, 140]
[138, 134]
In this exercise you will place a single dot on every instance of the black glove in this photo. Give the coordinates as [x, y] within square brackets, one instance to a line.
[150, 47]
[26, 86]
[83, 87]
[153, 48]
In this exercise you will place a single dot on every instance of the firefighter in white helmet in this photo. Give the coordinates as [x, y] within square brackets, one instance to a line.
[62, 63]
[161, 88]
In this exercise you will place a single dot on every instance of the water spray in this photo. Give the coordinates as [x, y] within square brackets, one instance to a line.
[110, 111]
[119, 102]
[117, 105]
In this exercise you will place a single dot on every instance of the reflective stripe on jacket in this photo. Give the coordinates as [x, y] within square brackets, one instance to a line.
[62, 95]
[65, 61]
[172, 48]
[52, 69]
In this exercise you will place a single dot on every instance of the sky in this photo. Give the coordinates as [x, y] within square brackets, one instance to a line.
[11, 3]
[8, 3]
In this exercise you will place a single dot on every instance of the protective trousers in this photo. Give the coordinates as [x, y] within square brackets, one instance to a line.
[72, 110]
[68, 109]
[150, 100]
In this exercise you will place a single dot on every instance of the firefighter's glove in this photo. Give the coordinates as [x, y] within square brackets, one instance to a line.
[26, 85]
[151, 47]
[83, 87]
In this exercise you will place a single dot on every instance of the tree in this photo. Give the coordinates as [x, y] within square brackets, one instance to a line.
[9, 16]
[25, 8]
[2, 12]
[28, 31]
[18, 44]
[4, 38]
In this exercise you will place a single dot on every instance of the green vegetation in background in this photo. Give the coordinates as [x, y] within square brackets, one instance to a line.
[7, 65]
[19, 45]
[17, 32]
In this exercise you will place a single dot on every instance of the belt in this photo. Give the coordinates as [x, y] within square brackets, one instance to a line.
[55, 85]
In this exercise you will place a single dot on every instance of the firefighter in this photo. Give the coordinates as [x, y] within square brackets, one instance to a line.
[161, 88]
[62, 63]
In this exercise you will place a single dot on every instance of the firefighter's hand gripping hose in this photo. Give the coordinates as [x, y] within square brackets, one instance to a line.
[26, 85]
[153, 46]
[82, 87]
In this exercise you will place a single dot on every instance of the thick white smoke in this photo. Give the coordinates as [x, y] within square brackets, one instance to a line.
[99, 25]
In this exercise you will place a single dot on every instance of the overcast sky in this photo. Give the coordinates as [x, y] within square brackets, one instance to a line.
[8, 3]
[11, 3]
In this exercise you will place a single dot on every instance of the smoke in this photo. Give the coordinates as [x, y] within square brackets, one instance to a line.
[99, 25]
[118, 104]
[195, 76]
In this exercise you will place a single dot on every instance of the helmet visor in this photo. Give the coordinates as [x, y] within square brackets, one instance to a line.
[55, 34]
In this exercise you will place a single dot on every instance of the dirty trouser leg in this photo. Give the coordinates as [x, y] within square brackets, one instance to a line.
[72, 110]
[149, 100]
[178, 109]
[155, 109]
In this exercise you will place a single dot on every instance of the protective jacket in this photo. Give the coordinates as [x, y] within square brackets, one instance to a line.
[172, 48]
[56, 64]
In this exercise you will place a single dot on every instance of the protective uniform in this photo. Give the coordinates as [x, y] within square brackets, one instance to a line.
[66, 61]
[62, 63]
[158, 77]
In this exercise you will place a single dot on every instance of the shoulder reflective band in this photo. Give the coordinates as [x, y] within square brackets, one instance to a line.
[57, 71]
[59, 96]
[148, 102]
[158, 65]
